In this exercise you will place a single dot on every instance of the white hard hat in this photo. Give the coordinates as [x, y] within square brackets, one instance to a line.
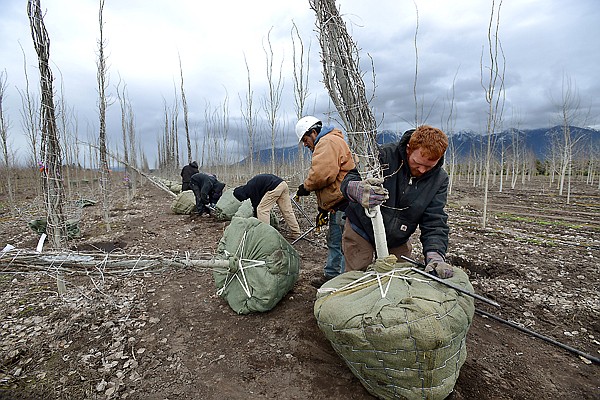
[306, 124]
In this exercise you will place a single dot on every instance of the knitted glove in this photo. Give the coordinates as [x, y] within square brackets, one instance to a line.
[369, 193]
[437, 266]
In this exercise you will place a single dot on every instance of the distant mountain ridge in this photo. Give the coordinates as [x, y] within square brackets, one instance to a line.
[539, 141]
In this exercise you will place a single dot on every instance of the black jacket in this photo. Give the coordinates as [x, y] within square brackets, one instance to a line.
[413, 202]
[256, 188]
[209, 187]
[188, 171]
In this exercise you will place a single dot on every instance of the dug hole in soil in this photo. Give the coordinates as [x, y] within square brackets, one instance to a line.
[165, 334]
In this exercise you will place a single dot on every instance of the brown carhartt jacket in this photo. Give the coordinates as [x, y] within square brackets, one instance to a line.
[331, 161]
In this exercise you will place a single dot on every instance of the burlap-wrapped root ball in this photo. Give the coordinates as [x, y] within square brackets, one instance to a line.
[263, 266]
[402, 334]
[228, 205]
[184, 203]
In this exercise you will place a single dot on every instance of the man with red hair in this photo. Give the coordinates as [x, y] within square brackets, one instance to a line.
[414, 194]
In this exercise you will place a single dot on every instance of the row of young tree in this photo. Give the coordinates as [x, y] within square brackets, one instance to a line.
[54, 140]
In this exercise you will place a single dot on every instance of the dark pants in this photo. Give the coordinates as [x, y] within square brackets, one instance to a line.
[201, 208]
[185, 186]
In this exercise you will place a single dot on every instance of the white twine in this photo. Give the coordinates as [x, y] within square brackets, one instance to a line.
[372, 276]
[241, 269]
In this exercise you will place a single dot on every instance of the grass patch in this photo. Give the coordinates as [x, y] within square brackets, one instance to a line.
[539, 221]
[536, 241]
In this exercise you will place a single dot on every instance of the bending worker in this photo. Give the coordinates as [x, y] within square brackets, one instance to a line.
[264, 191]
[207, 190]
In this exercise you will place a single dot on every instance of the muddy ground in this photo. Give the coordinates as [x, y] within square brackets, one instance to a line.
[163, 333]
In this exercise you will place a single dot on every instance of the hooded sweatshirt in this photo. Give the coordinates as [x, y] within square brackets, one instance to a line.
[188, 171]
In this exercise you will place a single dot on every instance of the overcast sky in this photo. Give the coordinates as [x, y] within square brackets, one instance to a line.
[544, 43]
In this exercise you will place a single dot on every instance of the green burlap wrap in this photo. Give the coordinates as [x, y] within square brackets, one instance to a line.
[245, 210]
[39, 226]
[184, 203]
[175, 187]
[263, 266]
[228, 205]
[404, 335]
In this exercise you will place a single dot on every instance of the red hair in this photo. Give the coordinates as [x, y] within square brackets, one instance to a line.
[432, 142]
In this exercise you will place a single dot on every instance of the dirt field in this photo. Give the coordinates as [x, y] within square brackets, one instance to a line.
[165, 334]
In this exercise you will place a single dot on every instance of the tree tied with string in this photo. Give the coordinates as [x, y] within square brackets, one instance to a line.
[343, 80]
[50, 165]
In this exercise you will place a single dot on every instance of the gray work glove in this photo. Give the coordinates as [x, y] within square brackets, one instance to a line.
[369, 193]
[436, 265]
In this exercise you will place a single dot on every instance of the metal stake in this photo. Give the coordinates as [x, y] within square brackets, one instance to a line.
[445, 282]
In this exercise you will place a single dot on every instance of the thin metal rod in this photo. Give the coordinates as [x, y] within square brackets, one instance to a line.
[310, 221]
[455, 287]
[304, 234]
[539, 336]
[445, 282]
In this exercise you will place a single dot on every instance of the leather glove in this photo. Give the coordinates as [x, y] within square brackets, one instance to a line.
[302, 191]
[322, 218]
[437, 266]
[369, 193]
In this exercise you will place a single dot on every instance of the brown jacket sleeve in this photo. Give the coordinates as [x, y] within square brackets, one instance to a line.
[331, 161]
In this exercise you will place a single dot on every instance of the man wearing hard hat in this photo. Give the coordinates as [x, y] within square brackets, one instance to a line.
[331, 161]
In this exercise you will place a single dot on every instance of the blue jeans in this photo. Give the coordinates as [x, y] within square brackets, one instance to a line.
[335, 258]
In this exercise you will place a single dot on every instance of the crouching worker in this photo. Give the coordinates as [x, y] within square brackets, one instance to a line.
[264, 191]
[414, 193]
[207, 190]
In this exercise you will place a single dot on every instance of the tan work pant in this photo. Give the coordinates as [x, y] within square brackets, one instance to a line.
[359, 253]
[281, 196]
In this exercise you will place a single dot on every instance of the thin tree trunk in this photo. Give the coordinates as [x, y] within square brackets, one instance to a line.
[102, 105]
[51, 163]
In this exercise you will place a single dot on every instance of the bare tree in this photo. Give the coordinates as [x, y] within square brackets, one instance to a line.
[132, 145]
[249, 117]
[417, 118]
[272, 100]
[185, 116]
[343, 80]
[30, 115]
[569, 114]
[125, 121]
[4, 145]
[301, 72]
[224, 129]
[448, 127]
[51, 163]
[102, 106]
[494, 95]
[168, 154]
[67, 136]
[174, 135]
